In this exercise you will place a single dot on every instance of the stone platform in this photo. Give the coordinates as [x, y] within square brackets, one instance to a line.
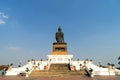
[39, 73]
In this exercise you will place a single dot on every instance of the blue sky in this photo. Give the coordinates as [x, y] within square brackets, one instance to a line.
[91, 29]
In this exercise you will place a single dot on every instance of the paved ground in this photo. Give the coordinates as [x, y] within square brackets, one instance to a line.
[63, 78]
[106, 78]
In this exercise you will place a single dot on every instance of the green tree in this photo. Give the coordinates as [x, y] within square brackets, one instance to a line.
[112, 65]
[41, 60]
[32, 59]
[19, 65]
[27, 69]
[80, 66]
[108, 64]
[119, 60]
[28, 60]
[78, 59]
[11, 64]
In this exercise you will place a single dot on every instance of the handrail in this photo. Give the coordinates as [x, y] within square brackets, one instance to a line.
[30, 70]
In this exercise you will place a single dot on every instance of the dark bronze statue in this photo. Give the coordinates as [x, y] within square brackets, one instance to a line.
[59, 36]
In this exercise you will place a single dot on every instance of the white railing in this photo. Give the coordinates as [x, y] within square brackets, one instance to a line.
[104, 73]
[30, 70]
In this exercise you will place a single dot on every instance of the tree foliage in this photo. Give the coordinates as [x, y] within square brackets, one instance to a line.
[4, 67]
[119, 60]
[11, 64]
[108, 64]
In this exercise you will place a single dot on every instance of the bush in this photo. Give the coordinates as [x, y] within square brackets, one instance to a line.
[3, 67]
[22, 74]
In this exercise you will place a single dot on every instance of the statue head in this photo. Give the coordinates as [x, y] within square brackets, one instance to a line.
[59, 29]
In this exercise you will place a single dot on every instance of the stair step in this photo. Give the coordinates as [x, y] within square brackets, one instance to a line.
[48, 73]
[59, 67]
[57, 70]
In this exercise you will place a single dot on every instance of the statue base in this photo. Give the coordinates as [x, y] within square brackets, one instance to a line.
[60, 48]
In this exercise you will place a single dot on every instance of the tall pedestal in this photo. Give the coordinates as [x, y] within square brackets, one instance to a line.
[60, 54]
[59, 58]
[60, 49]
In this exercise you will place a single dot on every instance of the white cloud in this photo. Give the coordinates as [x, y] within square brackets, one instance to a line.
[3, 15]
[2, 22]
[13, 48]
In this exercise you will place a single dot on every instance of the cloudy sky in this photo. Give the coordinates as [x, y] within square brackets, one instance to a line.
[28, 27]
